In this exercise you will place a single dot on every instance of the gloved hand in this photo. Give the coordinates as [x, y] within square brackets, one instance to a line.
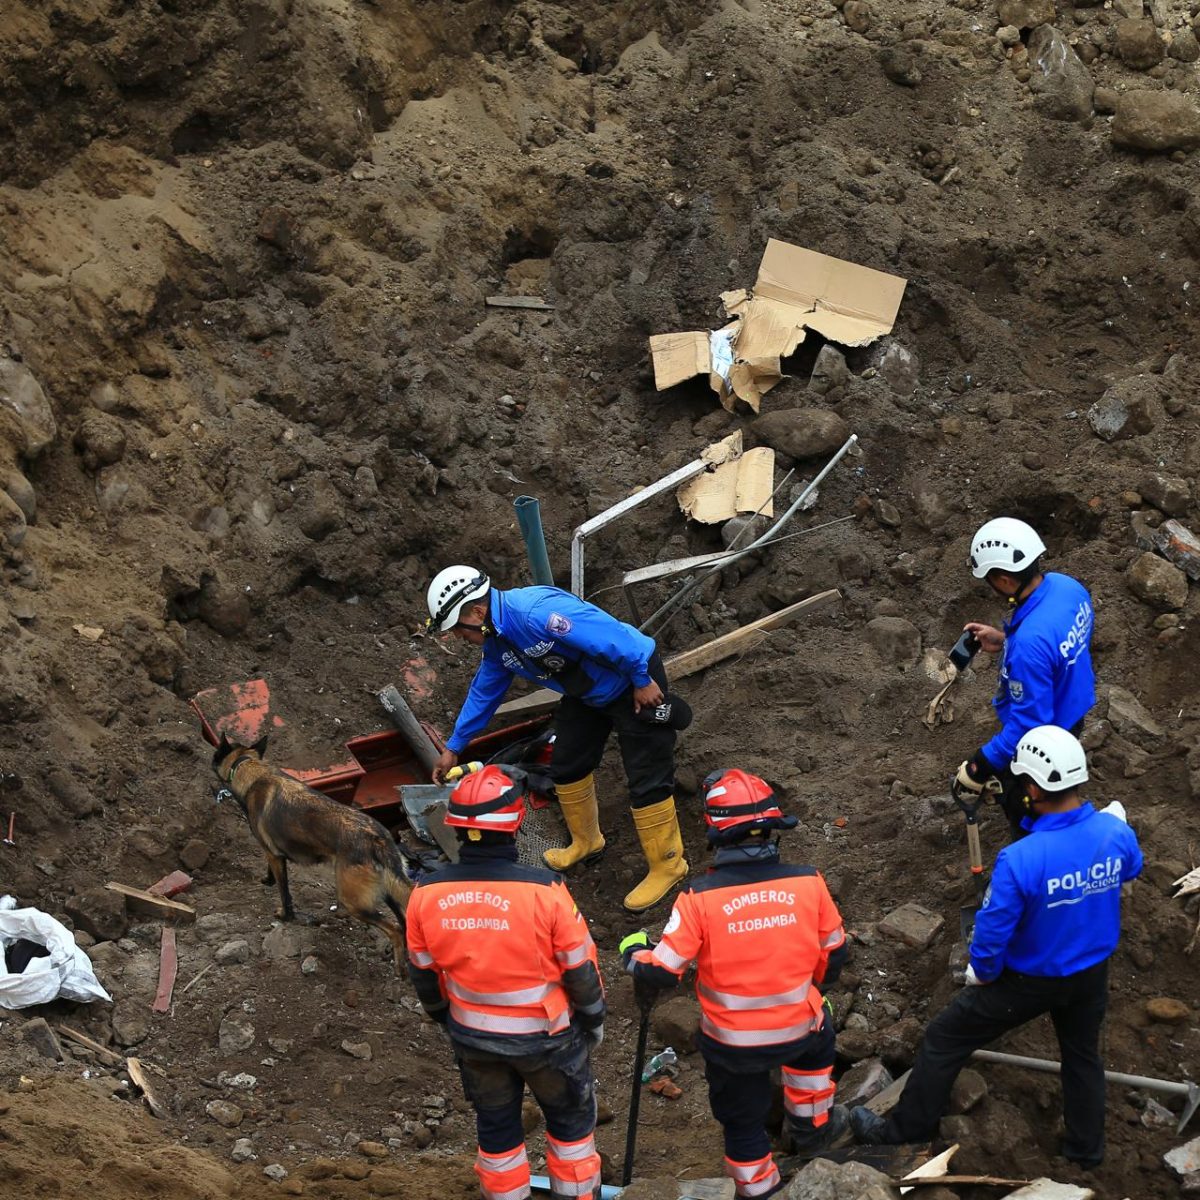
[974, 774]
[594, 1037]
[633, 942]
[827, 1005]
[970, 979]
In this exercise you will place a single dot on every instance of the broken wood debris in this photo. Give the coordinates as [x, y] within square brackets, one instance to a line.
[534, 302]
[141, 901]
[910, 1181]
[103, 1053]
[168, 967]
[934, 1169]
[137, 1076]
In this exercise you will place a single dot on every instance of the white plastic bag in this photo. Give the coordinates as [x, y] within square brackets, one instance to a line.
[67, 972]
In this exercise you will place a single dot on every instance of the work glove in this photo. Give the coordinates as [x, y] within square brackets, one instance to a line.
[970, 979]
[974, 774]
[631, 944]
[827, 1005]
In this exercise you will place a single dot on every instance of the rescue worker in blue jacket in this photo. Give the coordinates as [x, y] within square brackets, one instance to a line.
[611, 677]
[1046, 675]
[1050, 921]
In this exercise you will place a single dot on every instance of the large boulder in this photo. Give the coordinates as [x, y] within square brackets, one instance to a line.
[1155, 582]
[801, 432]
[26, 421]
[825, 1180]
[100, 913]
[1139, 45]
[1130, 407]
[1158, 122]
[1025, 14]
[1060, 80]
[896, 640]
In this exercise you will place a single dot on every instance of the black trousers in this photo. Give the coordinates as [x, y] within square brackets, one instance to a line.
[978, 1015]
[647, 749]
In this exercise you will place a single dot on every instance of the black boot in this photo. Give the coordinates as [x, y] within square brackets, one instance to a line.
[811, 1141]
[870, 1128]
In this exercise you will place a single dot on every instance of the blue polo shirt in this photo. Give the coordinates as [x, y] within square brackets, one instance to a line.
[1054, 904]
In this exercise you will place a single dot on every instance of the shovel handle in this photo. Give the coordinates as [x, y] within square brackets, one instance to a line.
[973, 845]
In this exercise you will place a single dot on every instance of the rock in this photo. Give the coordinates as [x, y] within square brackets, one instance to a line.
[1184, 1160]
[311, 965]
[225, 1113]
[1129, 718]
[237, 951]
[1138, 44]
[241, 1080]
[1157, 122]
[1168, 1010]
[422, 1136]
[235, 1034]
[130, 1022]
[1130, 407]
[824, 1180]
[243, 1151]
[360, 1050]
[372, 1149]
[969, 1090]
[278, 227]
[355, 1170]
[276, 1172]
[38, 1034]
[886, 513]
[801, 432]
[1168, 493]
[1009, 35]
[897, 641]
[735, 529]
[100, 439]
[1184, 47]
[1157, 583]
[288, 940]
[364, 488]
[858, 15]
[829, 371]
[24, 410]
[675, 1021]
[22, 494]
[100, 912]
[1157, 1116]
[194, 855]
[1130, 8]
[912, 924]
[897, 1044]
[899, 64]
[1025, 14]
[862, 1081]
[899, 368]
[320, 510]
[1060, 80]
[1177, 544]
[1104, 100]
[224, 607]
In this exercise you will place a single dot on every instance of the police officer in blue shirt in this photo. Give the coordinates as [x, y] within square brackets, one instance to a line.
[611, 677]
[1050, 921]
[1046, 675]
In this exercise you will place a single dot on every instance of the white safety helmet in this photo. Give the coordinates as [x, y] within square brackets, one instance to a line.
[450, 591]
[1052, 758]
[1004, 544]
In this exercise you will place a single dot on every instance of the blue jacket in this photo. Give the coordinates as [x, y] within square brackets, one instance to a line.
[559, 641]
[1046, 675]
[1054, 904]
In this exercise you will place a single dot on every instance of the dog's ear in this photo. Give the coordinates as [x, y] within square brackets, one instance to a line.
[223, 744]
[261, 745]
[223, 748]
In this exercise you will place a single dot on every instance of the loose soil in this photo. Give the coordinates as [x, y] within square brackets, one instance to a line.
[244, 251]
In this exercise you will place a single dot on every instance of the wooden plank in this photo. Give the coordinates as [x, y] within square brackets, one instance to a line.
[137, 1076]
[168, 967]
[962, 1180]
[142, 901]
[534, 302]
[171, 885]
[935, 1168]
[103, 1053]
[689, 662]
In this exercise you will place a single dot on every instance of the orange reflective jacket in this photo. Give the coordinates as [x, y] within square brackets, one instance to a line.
[761, 936]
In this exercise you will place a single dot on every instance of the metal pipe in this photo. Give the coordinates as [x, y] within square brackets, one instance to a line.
[529, 518]
[541, 1183]
[609, 515]
[696, 580]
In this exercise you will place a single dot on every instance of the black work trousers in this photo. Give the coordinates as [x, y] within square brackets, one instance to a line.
[647, 749]
[978, 1015]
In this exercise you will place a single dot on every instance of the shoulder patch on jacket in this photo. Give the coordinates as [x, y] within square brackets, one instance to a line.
[558, 625]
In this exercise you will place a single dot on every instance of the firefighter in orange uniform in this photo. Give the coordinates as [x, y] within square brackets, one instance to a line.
[500, 955]
[763, 935]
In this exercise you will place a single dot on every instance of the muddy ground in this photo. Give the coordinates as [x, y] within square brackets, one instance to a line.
[253, 399]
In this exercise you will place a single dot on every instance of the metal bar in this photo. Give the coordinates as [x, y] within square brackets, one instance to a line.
[690, 585]
[598, 522]
[1051, 1067]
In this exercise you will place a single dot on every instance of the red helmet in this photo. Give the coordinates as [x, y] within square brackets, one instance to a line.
[491, 800]
[737, 803]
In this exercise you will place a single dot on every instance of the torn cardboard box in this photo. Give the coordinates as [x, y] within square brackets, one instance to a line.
[796, 290]
[741, 486]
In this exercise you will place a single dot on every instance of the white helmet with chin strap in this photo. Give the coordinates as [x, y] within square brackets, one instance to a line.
[450, 592]
[1004, 544]
[1052, 758]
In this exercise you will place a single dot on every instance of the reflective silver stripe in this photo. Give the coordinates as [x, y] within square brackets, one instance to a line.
[666, 957]
[503, 999]
[495, 1023]
[421, 959]
[836, 938]
[755, 1037]
[746, 1003]
[570, 1151]
[752, 1179]
[567, 1187]
[495, 818]
[815, 1109]
[598, 1006]
[517, 1193]
[761, 1187]
[810, 1083]
[502, 1162]
[572, 958]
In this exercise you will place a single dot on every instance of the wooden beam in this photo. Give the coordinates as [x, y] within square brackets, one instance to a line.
[168, 967]
[103, 1053]
[909, 1181]
[688, 662]
[140, 901]
[534, 302]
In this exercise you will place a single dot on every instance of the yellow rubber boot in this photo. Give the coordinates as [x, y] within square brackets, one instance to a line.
[658, 830]
[579, 810]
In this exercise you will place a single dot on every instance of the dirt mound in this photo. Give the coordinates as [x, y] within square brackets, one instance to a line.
[251, 398]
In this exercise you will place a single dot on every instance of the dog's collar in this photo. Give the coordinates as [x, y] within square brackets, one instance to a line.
[234, 769]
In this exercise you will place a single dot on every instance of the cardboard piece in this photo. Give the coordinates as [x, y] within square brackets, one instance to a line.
[796, 290]
[742, 486]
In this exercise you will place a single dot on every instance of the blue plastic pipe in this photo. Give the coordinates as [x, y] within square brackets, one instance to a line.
[542, 1184]
[529, 518]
